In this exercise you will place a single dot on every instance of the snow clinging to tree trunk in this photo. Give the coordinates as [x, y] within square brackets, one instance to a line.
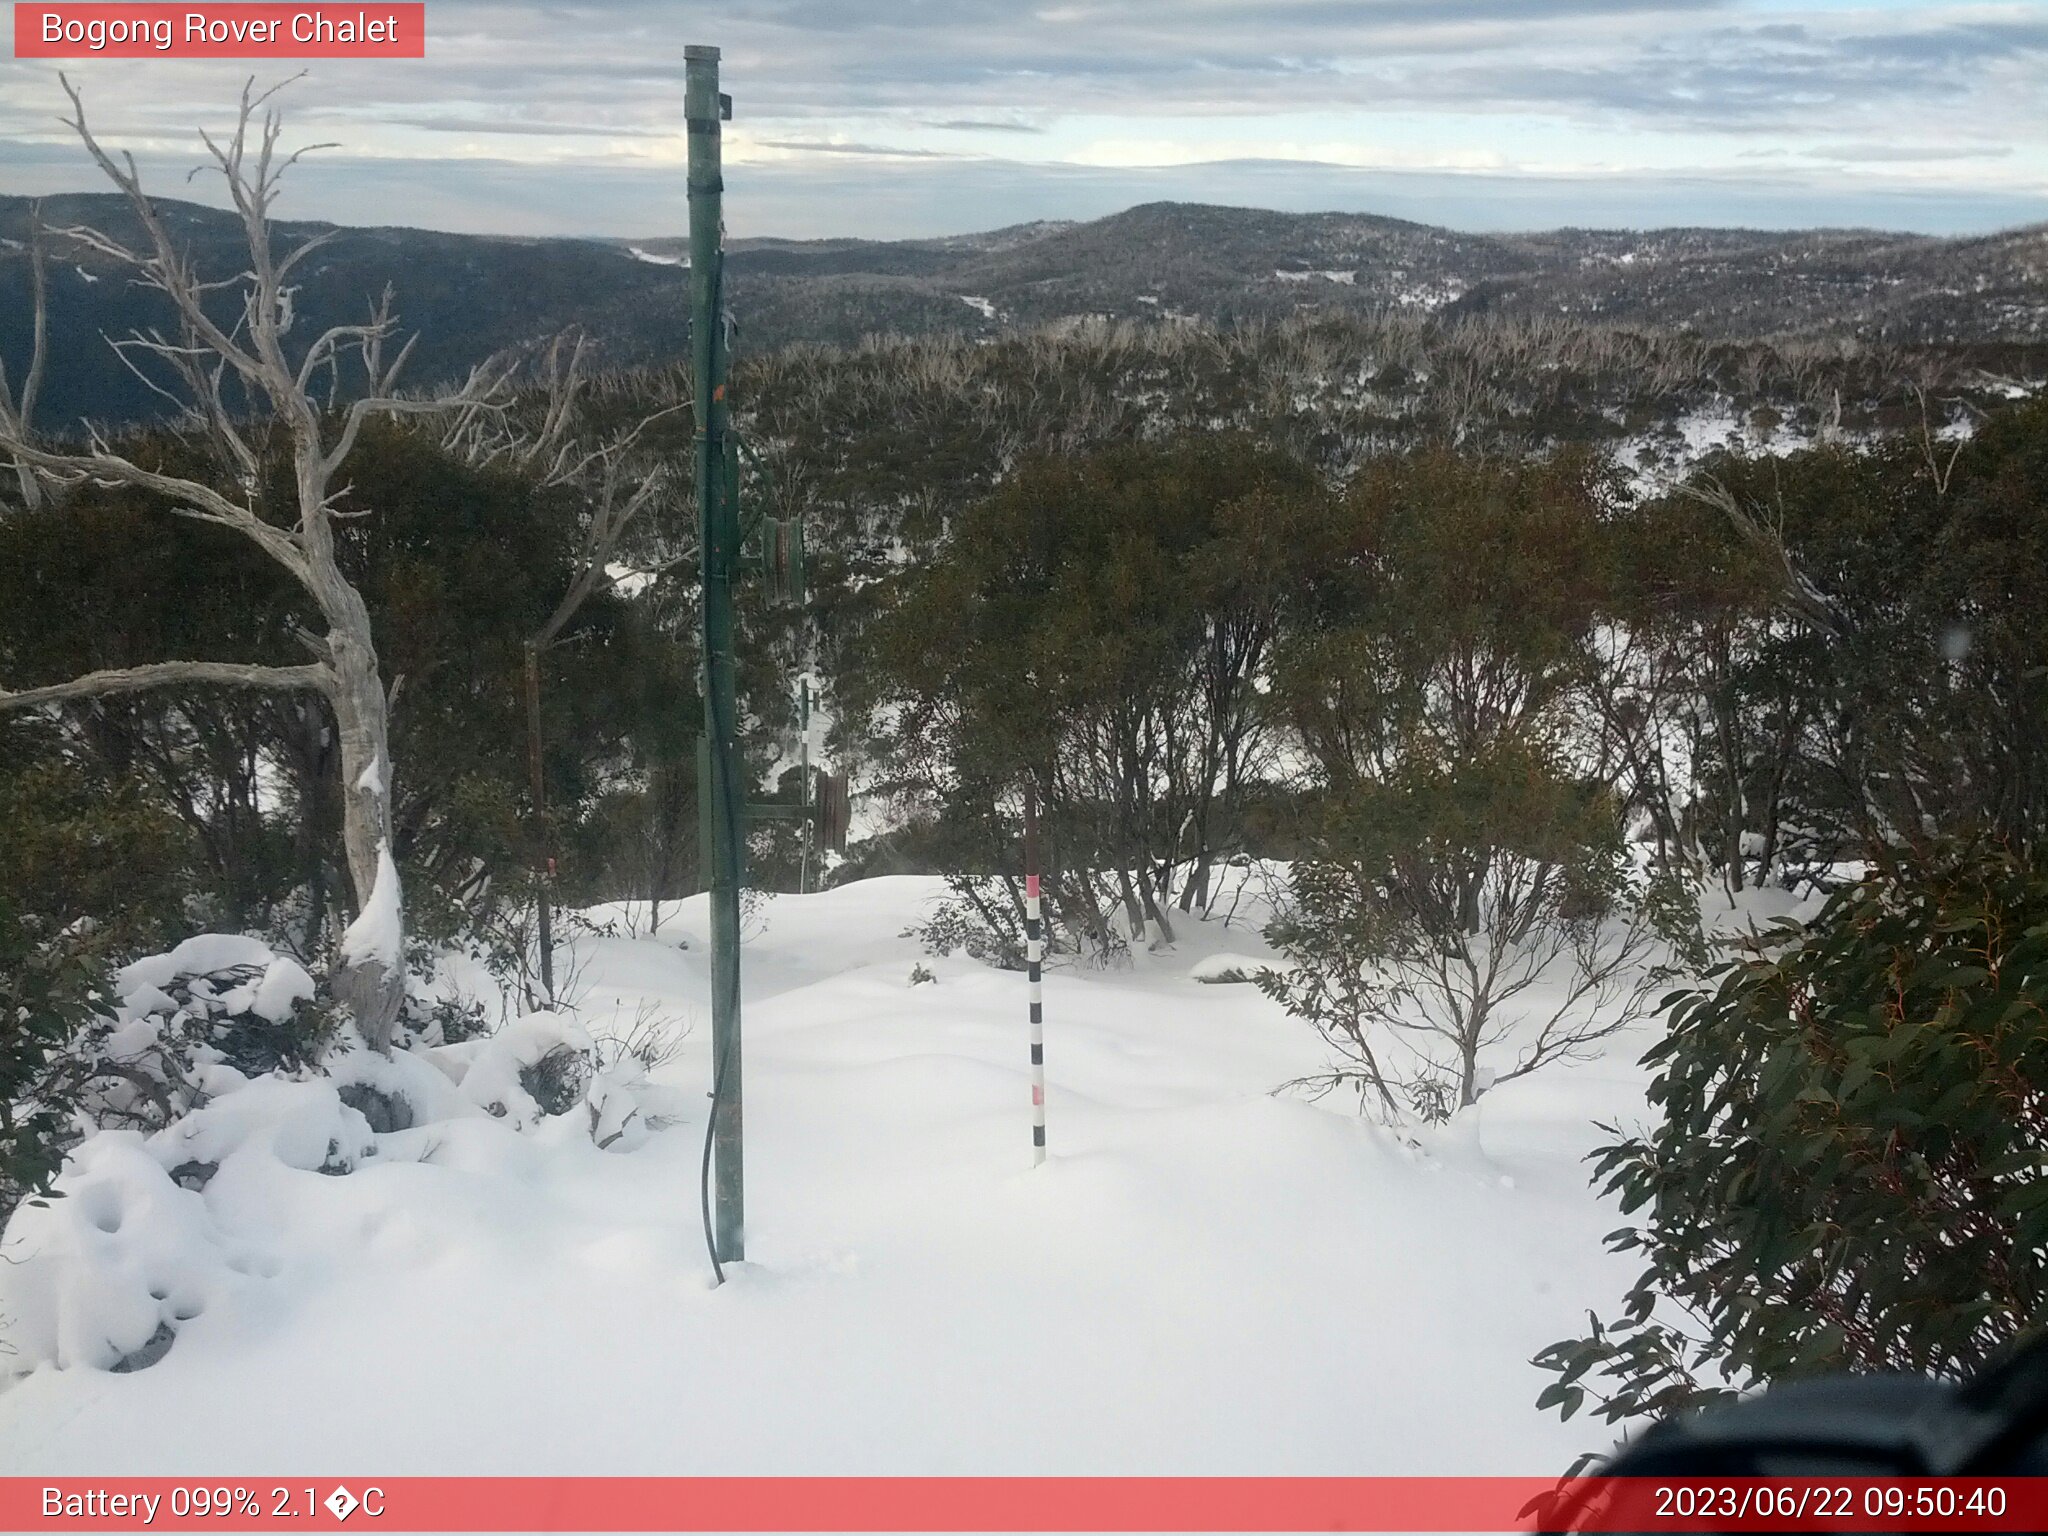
[377, 934]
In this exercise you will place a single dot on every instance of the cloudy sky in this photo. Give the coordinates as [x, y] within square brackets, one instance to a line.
[890, 118]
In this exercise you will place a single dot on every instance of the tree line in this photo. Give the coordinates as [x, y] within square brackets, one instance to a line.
[1512, 722]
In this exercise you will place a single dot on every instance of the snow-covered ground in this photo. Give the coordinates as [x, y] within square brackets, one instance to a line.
[1204, 1278]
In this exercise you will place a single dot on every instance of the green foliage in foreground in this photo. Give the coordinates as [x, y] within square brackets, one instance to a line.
[1849, 1172]
[49, 989]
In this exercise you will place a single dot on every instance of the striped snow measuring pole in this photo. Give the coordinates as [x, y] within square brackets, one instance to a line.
[1034, 956]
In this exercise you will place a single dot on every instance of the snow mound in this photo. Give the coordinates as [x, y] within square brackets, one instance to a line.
[1227, 966]
[302, 1125]
[415, 1079]
[103, 1277]
[501, 1072]
[205, 954]
[193, 1022]
[626, 1107]
[215, 1114]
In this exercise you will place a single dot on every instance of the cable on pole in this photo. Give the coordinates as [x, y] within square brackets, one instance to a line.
[1034, 959]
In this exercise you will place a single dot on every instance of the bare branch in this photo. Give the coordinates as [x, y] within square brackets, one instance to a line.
[162, 674]
[199, 501]
[166, 268]
[1798, 595]
[482, 391]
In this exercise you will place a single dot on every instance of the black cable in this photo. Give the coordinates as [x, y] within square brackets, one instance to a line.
[704, 1172]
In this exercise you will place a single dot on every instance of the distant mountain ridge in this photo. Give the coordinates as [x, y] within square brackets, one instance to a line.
[468, 295]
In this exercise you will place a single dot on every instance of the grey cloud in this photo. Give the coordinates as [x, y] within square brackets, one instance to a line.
[1904, 153]
[815, 147]
[982, 125]
[538, 130]
[1668, 62]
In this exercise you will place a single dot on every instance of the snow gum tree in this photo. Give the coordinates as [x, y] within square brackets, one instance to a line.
[1098, 627]
[242, 385]
[1464, 881]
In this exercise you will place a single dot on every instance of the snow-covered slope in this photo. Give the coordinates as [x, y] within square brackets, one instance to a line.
[1204, 1278]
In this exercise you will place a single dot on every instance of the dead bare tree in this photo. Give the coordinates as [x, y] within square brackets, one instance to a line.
[17, 412]
[252, 353]
[614, 486]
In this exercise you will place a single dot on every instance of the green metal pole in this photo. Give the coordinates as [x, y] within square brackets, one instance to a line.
[718, 538]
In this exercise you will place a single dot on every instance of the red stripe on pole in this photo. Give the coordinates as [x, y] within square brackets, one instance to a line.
[1031, 887]
[1251, 1504]
[380, 29]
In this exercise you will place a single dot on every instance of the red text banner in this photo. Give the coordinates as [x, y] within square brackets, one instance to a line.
[1250, 1504]
[215, 31]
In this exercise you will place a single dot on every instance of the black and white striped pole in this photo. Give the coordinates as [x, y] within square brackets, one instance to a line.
[1034, 957]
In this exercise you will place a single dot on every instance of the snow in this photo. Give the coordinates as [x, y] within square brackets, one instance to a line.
[376, 934]
[627, 580]
[987, 307]
[491, 1080]
[1655, 460]
[655, 257]
[299, 1124]
[1430, 295]
[201, 955]
[284, 983]
[427, 1087]
[93, 1275]
[1206, 1277]
[371, 780]
[1335, 276]
[1229, 966]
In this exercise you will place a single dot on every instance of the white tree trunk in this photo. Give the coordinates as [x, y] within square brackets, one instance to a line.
[370, 978]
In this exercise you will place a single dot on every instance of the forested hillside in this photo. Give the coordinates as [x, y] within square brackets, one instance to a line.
[1163, 263]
